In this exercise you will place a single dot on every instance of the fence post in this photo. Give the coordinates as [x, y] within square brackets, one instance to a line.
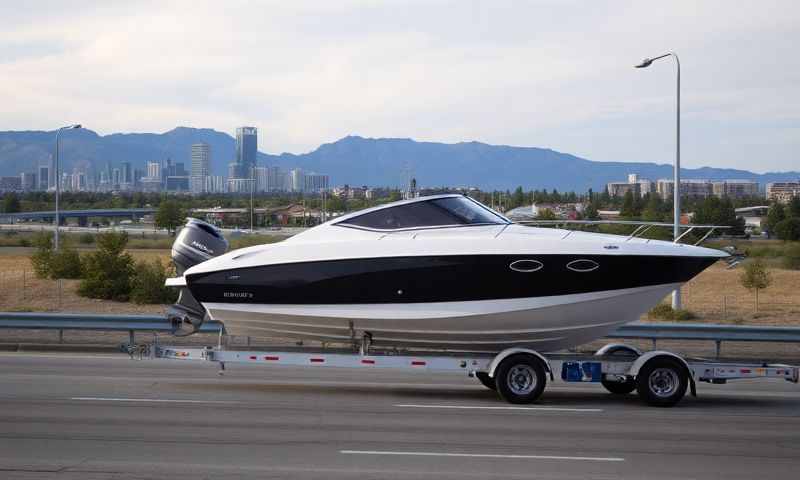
[61, 336]
[23, 284]
[131, 338]
[59, 293]
[718, 344]
[725, 307]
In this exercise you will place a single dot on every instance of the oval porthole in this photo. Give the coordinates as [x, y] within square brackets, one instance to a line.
[583, 265]
[526, 266]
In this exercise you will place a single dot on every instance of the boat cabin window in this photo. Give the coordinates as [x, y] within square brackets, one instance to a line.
[437, 212]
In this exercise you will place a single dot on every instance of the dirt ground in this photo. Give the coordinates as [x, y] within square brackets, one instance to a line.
[714, 296]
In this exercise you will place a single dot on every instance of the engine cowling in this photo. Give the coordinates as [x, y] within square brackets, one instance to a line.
[197, 242]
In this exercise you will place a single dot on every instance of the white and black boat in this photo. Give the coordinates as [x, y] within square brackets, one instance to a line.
[441, 272]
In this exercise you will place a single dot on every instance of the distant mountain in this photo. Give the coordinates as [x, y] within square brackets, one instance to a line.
[358, 161]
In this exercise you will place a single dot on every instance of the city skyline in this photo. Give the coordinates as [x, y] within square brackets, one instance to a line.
[434, 71]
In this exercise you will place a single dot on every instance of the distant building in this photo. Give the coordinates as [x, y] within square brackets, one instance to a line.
[783, 192]
[177, 183]
[735, 188]
[44, 177]
[201, 161]
[689, 188]
[27, 181]
[246, 151]
[215, 184]
[315, 183]
[637, 186]
[154, 170]
[126, 174]
[297, 181]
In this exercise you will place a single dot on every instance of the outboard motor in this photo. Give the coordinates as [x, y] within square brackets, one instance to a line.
[197, 242]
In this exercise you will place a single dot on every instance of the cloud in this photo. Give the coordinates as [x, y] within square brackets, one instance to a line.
[553, 74]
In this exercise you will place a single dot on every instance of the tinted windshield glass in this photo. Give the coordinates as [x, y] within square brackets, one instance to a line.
[431, 213]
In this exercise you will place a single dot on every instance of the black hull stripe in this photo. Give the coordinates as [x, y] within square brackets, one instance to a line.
[426, 279]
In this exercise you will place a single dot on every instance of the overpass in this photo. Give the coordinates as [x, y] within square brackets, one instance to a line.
[81, 215]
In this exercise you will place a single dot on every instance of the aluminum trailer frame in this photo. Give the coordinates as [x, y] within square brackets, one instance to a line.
[518, 374]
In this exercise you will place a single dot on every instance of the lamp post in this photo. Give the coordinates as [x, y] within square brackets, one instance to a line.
[676, 192]
[58, 181]
[252, 189]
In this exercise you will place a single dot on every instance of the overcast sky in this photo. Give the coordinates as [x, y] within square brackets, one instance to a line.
[556, 74]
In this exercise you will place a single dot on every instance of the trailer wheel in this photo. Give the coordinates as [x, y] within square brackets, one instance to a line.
[486, 380]
[662, 382]
[619, 388]
[520, 378]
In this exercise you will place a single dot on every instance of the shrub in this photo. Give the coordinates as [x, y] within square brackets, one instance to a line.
[40, 259]
[755, 277]
[66, 263]
[107, 271]
[791, 260]
[147, 285]
[86, 238]
[662, 311]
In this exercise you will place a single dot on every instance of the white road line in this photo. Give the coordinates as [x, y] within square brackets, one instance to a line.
[534, 409]
[152, 400]
[482, 455]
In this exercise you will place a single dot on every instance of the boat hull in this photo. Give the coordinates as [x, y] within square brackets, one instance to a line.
[545, 323]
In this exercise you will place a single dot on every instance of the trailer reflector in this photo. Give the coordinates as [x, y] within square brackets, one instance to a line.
[417, 363]
[253, 357]
[272, 358]
[317, 360]
[367, 361]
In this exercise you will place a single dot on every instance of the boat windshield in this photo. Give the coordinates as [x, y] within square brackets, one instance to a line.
[438, 212]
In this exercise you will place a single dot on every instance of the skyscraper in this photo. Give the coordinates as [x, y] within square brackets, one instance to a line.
[246, 151]
[44, 177]
[126, 173]
[201, 160]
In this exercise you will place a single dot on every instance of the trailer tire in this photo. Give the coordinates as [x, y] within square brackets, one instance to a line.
[662, 382]
[486, 380]
[520, 378]
[619, 388]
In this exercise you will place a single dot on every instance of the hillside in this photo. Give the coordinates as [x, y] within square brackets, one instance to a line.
[358, 161]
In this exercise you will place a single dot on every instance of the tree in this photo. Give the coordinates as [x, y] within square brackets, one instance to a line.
[517, 198]
[775, 215]
[169, 215]
[793, 208]
[755, 277]
[629, 206]
[108, 270]
[591, 212]
[788, 230]
[653, 209]
[147, 285]
[11, 203]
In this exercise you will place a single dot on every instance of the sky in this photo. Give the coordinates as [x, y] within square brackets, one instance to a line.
[552, 74]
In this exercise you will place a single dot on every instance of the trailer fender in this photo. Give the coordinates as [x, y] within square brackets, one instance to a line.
[641, 361]
[513, 351]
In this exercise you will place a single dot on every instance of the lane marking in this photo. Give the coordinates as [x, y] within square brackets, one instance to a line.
[153, 400]
[481, 455]
[534, 409]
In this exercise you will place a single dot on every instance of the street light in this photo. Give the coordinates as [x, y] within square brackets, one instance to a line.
[58, 180]
[676, 191]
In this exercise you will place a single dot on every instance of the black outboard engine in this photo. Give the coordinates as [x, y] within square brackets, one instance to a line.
[197, 242]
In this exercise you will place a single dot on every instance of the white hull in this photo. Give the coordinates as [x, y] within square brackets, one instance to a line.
[544, 323]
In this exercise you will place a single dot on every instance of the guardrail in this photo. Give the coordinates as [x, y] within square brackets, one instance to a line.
[98, 322]
[158, 323]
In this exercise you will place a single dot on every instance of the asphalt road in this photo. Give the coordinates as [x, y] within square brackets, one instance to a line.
[92, 417]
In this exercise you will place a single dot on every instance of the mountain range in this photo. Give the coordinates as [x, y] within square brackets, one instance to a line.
[356, 160]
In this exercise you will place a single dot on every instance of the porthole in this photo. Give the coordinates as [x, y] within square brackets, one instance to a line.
[583, 265]
[526, 266]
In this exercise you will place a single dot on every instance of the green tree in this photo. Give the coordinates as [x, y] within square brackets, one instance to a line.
[108, 270]
[793, 209]
[775, 215]
[755, 277]
[630, 206]
[11, 203]
[47, 263]
[591, 212]
[170, 216]
[653, 209]
[517, 198]
[789, 229]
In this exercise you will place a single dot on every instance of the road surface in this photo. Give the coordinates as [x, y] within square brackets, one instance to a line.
[92, 417]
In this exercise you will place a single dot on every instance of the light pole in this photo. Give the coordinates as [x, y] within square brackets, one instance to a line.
[58, 181]
[676, 191]
[252, 188]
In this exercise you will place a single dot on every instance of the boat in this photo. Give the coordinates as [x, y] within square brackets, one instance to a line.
[441, 272]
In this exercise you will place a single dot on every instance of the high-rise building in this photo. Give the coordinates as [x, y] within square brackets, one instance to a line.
[154, 170]
[297, 182]
[116, 177]
[201, 162]
[126, 173]
[315, 182]
[261, 179]
[44, 177]
[28, 181]
[246, 151]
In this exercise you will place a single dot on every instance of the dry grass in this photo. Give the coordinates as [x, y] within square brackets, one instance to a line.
[21, 291]
[716, 296]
